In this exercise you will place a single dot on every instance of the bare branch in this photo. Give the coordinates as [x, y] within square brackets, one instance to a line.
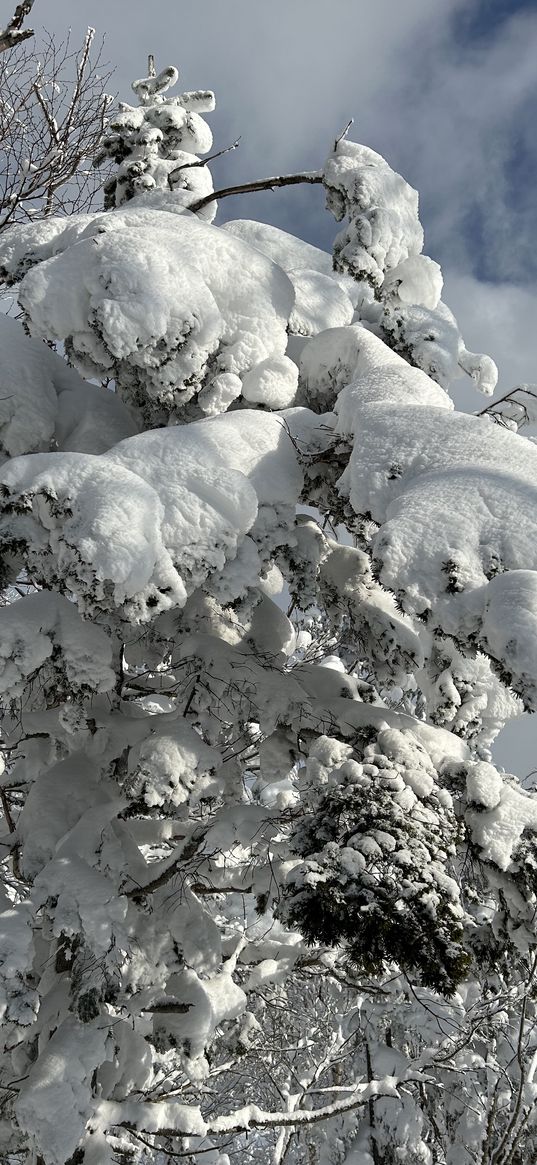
[202, 161]
[14, 33]
[261, 184]
[343, 133]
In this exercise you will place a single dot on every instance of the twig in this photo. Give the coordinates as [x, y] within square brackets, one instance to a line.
[202, 161]
[343, 133]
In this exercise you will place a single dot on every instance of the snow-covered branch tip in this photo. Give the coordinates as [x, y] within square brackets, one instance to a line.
[261, 184]
[14, 33]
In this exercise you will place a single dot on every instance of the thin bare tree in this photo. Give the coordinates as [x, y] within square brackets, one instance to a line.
[53, 107]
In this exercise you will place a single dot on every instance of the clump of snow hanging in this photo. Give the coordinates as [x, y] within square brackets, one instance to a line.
[503, 810]
[155, 145]
[416, 280]
[43, 402]
[383, 227]
[381, 246]
[429, 337]
[319, 304]
[137, 529]
[177, 312]
[206, 1003]
[56, 1100]
[464, 693]
[355, 366]
[18, 999]
[56, 802]
[169, 764]
[44, 641]
[504, 617]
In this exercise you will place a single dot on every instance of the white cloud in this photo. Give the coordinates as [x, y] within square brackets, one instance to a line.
[497, 318]
[287, 74]
[468, 146]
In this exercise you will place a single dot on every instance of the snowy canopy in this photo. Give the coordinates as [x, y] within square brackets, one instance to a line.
[262, 620]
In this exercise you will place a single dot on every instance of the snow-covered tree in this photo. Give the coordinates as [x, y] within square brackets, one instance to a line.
[265, 897]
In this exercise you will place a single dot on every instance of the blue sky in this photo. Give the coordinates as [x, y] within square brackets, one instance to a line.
[445, 89]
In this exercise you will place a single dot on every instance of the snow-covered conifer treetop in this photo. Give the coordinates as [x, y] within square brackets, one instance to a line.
[265, 895]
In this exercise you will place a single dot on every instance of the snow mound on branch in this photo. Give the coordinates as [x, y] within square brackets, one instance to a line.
[358, 368]
[137, 529]
[44, 640]
[424, 440]
[26, 244]
[55, 1101]
[383, 228]
[504, 810]
[56, 802]
[169, 764]
[470, 478]
[43, 401]
[18, 1000]
[177, 311]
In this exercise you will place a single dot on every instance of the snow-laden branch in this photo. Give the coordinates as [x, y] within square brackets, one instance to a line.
[171, 1119]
